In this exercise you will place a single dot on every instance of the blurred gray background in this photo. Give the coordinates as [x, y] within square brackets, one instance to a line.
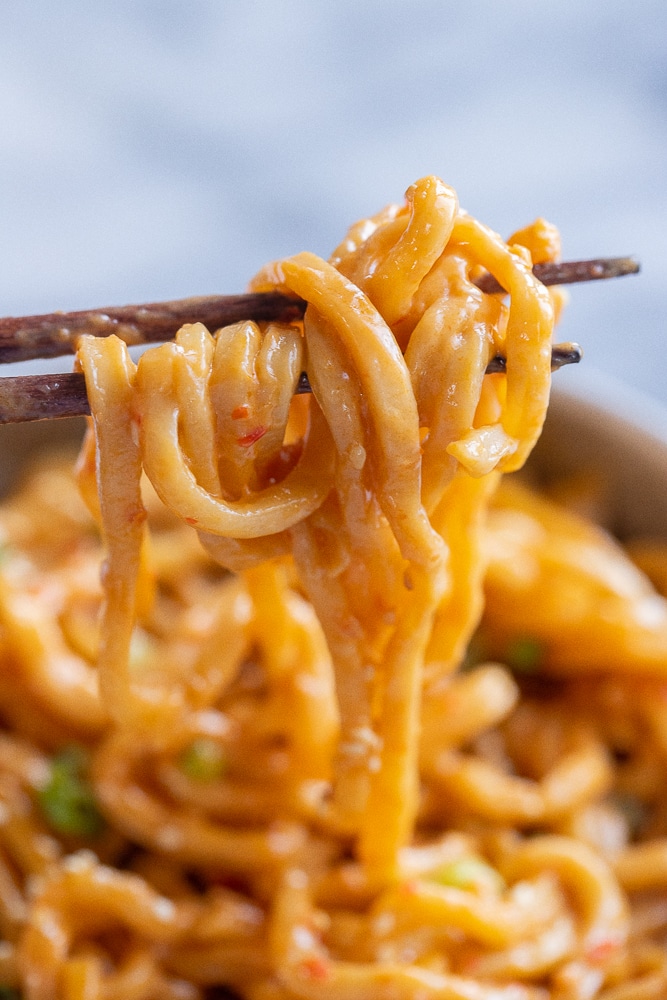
[156, 150]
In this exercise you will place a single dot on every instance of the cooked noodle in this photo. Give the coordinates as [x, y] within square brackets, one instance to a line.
[334, 772]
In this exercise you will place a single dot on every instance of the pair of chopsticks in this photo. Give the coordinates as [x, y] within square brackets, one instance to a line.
[42, 397]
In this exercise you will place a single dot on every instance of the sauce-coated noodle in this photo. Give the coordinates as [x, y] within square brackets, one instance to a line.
[318, 776]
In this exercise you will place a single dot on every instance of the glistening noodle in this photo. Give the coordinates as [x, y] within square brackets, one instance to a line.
[282, 745]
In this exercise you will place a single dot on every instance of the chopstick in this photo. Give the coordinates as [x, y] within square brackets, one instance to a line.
[45, 397]
[570, 272]
[25, 398]
[26, 338]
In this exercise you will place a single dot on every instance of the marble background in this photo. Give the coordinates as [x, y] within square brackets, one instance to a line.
[156, 150]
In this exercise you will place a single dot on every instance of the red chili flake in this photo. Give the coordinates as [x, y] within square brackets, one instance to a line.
[314, 968]
[599, 953]
[410, 888]
[470, 965]
[138, 516]
[253, 436]
[191, 520]
[239, 412]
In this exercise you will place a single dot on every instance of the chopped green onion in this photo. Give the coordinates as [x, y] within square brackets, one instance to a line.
[524, 655]
[203, 760]
[67, 800]
[469, 873]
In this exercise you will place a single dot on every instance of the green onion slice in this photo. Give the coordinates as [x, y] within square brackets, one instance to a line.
[203, 760]
[524, 655]
[67, 800]
[469, 873]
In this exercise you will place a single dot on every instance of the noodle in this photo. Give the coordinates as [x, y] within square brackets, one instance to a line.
[393, 730]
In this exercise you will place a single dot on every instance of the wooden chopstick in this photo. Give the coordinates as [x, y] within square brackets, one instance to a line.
[25, 338]
[570, 272]
[25, 398]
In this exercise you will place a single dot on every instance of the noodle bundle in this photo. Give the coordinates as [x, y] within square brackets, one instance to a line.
[344, 717]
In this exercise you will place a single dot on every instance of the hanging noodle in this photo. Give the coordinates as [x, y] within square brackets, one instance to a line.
[302, 761]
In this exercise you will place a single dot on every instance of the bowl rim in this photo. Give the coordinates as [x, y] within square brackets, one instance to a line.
[591, 390]
[599, 426]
